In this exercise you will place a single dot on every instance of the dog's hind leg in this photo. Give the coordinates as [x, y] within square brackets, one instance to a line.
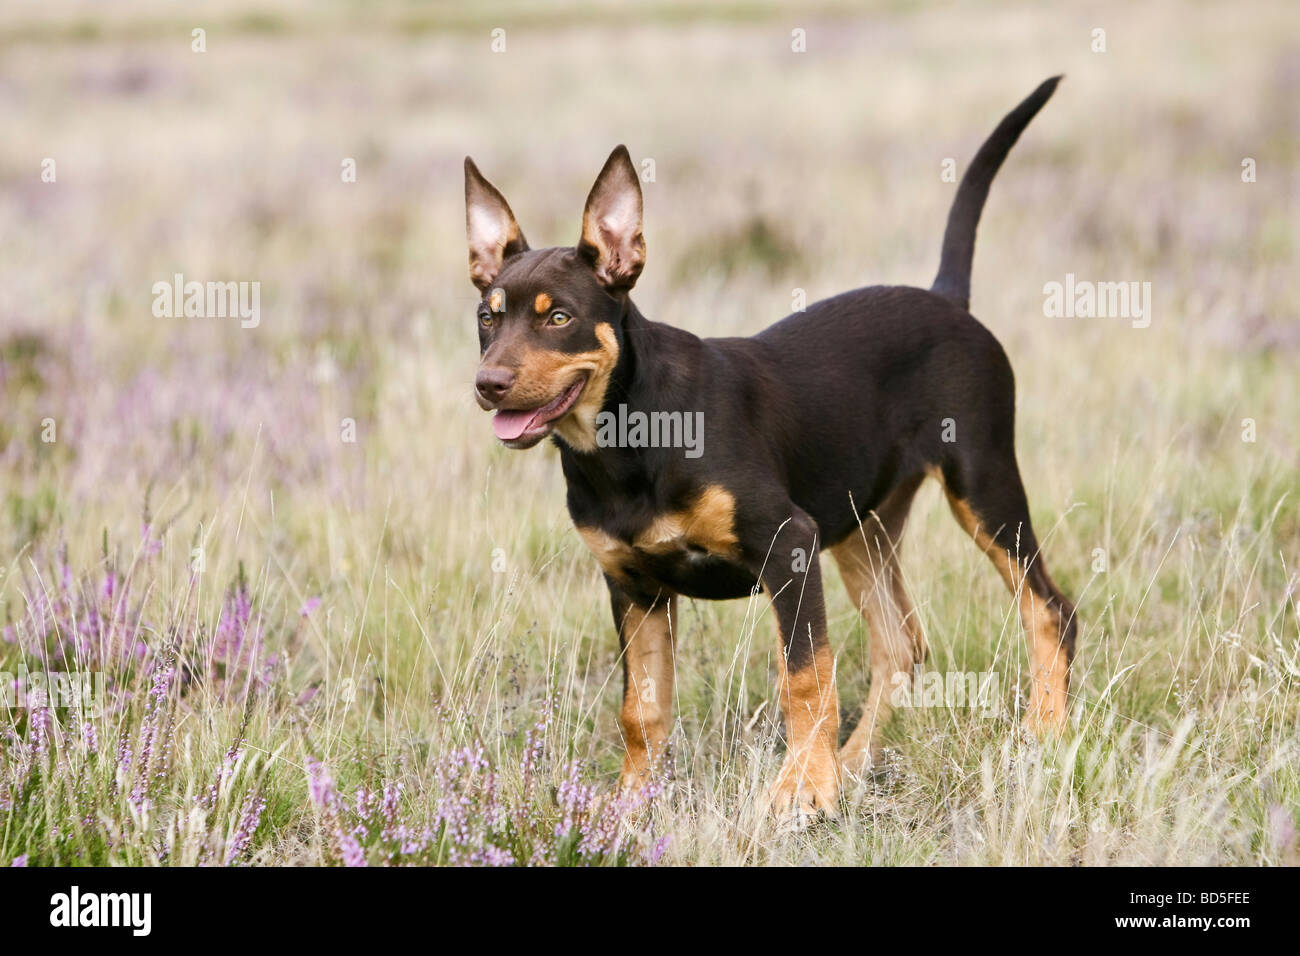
[868, 564]
[988, 501]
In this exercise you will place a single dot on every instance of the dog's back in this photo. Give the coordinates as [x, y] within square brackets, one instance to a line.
[867, 380]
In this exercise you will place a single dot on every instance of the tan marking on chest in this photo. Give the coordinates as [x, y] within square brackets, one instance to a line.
[611, 554]
[708, 525]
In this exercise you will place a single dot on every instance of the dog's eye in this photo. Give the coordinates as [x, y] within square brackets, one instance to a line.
[559, 318]
[486, 319]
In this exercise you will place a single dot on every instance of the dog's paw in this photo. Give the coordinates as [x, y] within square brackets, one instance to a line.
[641, 772]
[633, 781]
[803, 791]
[1044, 720]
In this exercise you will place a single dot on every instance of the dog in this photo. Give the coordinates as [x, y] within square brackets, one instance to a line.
[819, 431]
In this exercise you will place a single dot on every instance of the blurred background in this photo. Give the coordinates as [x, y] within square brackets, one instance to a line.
[128, 156]
[773, 170]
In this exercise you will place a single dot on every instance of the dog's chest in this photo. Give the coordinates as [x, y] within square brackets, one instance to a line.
[692, 551]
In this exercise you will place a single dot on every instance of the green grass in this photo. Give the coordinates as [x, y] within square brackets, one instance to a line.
[774, 171]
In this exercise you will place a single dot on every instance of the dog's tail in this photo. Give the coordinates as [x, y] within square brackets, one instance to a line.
[953, 280]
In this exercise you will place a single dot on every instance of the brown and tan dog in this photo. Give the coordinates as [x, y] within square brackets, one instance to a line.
[830, 414]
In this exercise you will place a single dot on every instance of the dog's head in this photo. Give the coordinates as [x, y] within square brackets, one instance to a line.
[550, 320]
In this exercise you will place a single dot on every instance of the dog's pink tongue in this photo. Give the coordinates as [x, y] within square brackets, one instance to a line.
[510, 425]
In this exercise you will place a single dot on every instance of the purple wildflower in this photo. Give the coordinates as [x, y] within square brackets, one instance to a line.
[149, 544]
[353, 854]
[237, 659]
[250, 815]
[319, 782]
[155, 741]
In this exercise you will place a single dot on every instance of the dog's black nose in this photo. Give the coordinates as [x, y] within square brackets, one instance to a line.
[493, 382]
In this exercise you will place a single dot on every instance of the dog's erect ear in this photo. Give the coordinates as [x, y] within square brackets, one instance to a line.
[611, 224]
[494, 235]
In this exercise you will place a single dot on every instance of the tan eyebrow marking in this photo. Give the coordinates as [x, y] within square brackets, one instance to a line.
[496, 302]
[542, 303]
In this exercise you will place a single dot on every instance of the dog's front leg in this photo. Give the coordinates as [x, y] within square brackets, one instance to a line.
[809, 780]
[646, 629]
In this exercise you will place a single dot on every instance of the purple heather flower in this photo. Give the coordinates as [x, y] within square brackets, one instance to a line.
[389, 807]
[150, 544]
[495, 856]
[250, 815]
[656, 854]
[319, 782]
[232, 626]
[353, 854]
[40, 726]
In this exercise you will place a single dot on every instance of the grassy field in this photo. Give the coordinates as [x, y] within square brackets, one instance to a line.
[395, 649]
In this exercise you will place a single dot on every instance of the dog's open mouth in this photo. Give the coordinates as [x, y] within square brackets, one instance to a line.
[525, 427]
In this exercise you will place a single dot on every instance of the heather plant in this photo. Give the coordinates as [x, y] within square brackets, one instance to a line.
[96, 780]
[65, 798]
[480, 819]
[333, 622]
